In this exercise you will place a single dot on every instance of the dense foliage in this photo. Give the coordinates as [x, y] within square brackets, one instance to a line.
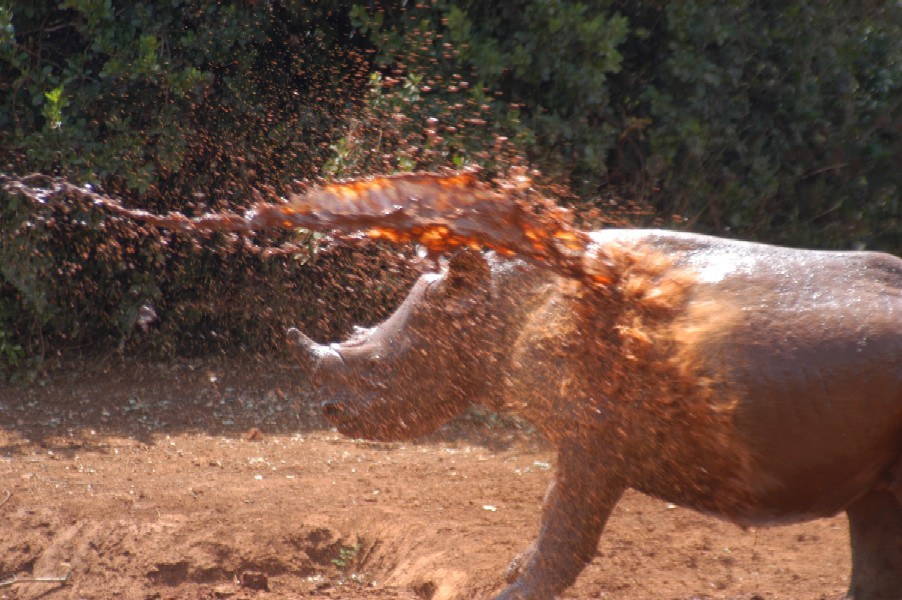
[172, 105]
[772, 121]
[779, 121]
[782, 121]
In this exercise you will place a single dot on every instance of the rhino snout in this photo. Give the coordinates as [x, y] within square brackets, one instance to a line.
[344, 411]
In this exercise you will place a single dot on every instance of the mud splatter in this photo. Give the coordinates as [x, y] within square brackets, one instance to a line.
[440, 211]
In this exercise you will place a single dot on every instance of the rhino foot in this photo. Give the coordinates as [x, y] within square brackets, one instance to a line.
[523, 590]
[875, 527]
[529, 581]
[516, 567]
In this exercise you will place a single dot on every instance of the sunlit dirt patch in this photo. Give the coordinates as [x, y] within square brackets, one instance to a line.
[161, 498]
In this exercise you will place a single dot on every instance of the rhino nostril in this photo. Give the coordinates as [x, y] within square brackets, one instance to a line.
[333, 410]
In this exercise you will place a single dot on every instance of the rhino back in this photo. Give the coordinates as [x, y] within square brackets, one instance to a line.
[809, 344]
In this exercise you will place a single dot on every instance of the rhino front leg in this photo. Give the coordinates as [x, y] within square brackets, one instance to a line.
[576, 509]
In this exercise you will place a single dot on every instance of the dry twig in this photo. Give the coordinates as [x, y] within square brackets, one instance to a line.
[16, 580]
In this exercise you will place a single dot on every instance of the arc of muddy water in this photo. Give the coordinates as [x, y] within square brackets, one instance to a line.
[440, 211]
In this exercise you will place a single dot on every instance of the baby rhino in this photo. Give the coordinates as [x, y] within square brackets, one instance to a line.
[757, 383]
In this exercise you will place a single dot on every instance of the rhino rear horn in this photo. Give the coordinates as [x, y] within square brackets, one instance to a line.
[467, 268]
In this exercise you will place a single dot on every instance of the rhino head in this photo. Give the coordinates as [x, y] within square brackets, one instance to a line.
[439, 352]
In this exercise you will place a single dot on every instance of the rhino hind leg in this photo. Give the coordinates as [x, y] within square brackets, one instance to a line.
[875, 528]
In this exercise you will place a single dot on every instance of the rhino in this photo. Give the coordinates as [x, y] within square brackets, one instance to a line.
[757, 383]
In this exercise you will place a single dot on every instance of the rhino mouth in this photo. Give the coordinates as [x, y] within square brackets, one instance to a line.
[338, 412]
[346, 416]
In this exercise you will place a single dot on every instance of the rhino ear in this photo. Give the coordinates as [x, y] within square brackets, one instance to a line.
[466, 269]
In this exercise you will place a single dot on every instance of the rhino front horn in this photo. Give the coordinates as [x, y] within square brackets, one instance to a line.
[309, 353]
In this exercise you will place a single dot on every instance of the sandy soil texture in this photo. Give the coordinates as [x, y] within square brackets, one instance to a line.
[220, 480]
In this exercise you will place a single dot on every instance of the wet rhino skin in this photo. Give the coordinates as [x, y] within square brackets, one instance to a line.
[757, 383]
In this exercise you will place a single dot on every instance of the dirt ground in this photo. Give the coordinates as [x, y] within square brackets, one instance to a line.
[220, 480]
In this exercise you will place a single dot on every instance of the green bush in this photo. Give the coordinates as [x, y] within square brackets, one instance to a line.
[184, 105]
[173, 99]
[75, 278]
[497, 82]
[551, 62]
[772, 121]
[780, 120]
[776, 121]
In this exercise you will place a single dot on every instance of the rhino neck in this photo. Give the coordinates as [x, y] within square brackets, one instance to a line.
[575, 346]
[548, 354]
